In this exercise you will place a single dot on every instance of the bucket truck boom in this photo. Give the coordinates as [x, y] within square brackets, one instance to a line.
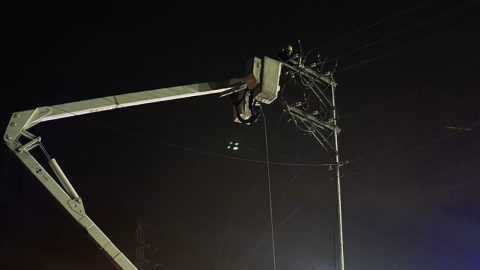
[261, 81]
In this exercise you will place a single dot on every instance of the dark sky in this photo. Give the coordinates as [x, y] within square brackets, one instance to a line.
[413, 206]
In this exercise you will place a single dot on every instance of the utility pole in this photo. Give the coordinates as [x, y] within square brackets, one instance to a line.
[340, 257]
[139, 247]
[321, 123]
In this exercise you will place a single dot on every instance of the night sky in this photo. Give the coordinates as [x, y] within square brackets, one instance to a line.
[406, 70]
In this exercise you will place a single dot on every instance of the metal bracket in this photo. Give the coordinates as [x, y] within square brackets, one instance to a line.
[77, 206]
[340, 164]
[30, 145]
[21, 121]
[343, 163]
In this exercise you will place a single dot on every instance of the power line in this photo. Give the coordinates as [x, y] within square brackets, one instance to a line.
[408, 46]
[235, 209]
[410, 151]
[411, 92]
[246, 211]
[294, 177]
[376, 257]
[254, 189]
[372, 25]
[232, 247]
[438, 174]
[182, 243]
[162, 265]
[286, 219]
[203, 138]
[414, 201]
[402, 31]
[285, 194]
[403, 144]
[429, 177]
[395, 147]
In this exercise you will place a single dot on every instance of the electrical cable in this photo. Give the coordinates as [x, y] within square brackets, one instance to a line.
[376, 257]
[235, 209]
[265, 237]
[436, 175]
[184, 244]
[395, 147]
[370, 26]
[200, 137]
[162, 265]
[404, 30]
[156, 121]
[269, 192]
[427, 178]
[410, 151]
[245, 214]
[408, 46]
[285, 220]
[295, 174]
[413, 201]
[417, 90]
[231, 247]
[253, 193]
[284, 195]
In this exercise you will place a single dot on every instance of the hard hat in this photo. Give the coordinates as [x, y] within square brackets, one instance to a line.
[289, 48]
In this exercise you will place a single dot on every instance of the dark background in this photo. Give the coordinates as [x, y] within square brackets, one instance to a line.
[425, 78]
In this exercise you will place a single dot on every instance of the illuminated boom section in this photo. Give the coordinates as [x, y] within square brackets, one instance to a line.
[261, 82]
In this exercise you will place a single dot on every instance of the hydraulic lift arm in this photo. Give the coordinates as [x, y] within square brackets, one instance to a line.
[262, 76]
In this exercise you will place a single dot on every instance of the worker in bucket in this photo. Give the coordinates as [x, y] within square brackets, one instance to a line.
[285, 54]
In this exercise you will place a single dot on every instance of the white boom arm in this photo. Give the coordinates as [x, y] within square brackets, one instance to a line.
[263, 76]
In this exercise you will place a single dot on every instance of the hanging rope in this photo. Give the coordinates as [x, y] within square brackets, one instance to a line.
[269, 191]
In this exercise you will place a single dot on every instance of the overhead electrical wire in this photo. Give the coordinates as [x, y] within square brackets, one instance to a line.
[294, 177]
[417, 90]
[253, 192]
[246, 211]
[376, 106]
[187, 245]
[203, 138]
[402, 144]
[395, 147]
[162, 265]
[438, 174]
[265, 237]
[157, 230]
[408, 46]
[370, 26]
[242, 149]
[409, 151]
[402, 31]
[425, 197]
[285, 220]
[235, 209]
[376, 257]
[356, 220]
[428, 178]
